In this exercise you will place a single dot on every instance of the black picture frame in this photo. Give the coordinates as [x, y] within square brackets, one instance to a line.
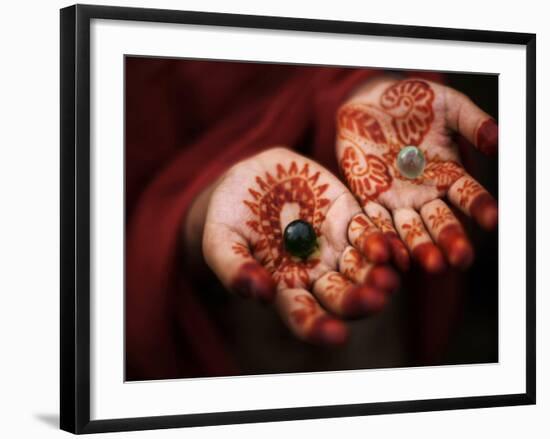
[75, 217]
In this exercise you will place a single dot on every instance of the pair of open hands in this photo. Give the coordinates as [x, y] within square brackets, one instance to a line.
[374, 219]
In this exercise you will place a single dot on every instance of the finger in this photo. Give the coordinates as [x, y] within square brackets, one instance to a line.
[342, 297]
[418, 241]
[365, 236]
[473, 123]
[358, 270]
[382, 219]
[448, 233]
[472, 199]
[307, 320]
[228, 255]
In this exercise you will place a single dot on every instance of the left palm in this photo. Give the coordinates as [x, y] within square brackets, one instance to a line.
[375, 125]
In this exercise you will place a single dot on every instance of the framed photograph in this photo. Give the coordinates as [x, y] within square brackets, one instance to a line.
[267, 219]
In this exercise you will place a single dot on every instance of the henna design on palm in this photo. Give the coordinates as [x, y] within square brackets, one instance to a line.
[375, 125]
[272, 193]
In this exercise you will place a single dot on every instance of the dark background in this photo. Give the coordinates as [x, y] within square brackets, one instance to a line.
[476, 338]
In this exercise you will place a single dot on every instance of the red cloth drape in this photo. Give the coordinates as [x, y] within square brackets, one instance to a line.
[186, 122]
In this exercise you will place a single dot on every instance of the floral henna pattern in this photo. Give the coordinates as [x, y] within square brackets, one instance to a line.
[413, 231]
[308, 309]
[351, 263]
[468, 191]
[410, 105]
[366, 125]
[360, 224]
[336, 286]
[286, 186]
[366, 174]
[442, 173]
[240, 249]
[383, 223]
[440, 217]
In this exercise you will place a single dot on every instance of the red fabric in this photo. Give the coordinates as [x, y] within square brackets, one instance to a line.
[187, 122]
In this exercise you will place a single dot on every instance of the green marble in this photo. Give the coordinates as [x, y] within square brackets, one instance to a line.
[300, 239]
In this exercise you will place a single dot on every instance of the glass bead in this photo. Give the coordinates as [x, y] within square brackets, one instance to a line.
[300, 239]
[411, 162]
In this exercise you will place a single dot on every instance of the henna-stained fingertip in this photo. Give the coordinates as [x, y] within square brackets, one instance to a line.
[383, 278]
[456, 246]
[328, 331]
[485, 211]
[255, 282]
[487, 137]
[376, 248]
[429, 257]
[400, 255]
